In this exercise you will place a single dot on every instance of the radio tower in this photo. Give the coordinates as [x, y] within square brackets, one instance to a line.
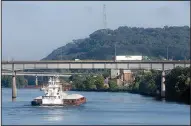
[104, 17]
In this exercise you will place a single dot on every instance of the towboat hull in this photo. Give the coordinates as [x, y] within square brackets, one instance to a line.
[66, 102]
[35, 103]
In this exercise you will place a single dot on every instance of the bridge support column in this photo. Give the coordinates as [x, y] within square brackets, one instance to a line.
[36, 81]
[163, 84]
[14, 86]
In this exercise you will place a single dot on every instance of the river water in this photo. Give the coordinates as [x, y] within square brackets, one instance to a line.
[101, 108]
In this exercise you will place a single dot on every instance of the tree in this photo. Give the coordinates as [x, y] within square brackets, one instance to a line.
[106, 74]
[78, 82]
[21, 81]
[99, 82]
[6, 81]
[178, 83]
[147, 83]
[89, 83]
[112, 85]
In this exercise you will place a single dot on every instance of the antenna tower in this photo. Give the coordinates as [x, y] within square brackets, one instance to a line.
[104, 17]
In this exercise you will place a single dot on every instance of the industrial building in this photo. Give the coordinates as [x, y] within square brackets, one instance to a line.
[124, 77]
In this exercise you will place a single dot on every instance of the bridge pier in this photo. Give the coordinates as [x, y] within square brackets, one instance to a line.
[163, 84]
[14, 87]
[36, 81]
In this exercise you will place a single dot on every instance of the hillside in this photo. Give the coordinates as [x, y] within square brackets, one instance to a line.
[151, 42]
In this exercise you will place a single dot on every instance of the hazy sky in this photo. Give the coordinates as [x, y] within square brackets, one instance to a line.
[32, 30]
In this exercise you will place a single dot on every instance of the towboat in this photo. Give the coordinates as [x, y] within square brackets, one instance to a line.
[42, 88]
[55, 96]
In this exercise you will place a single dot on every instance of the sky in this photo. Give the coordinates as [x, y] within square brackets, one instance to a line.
[31, 30]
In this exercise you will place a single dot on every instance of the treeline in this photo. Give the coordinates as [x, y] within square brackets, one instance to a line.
[177, 83]
[147, 83]
[22, 81]
[151, 42]
[6, 81]
[92, 82]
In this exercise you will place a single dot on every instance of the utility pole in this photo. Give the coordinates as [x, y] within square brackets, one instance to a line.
[185, 58]
[115, 51]
[61, 53]
[167, 53]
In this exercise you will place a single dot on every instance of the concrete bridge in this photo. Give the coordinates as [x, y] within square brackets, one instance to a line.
[36, 74]
[15, 66]
[92, 64]
[20, 73]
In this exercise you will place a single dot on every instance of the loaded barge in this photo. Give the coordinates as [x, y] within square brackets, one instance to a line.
[55, 96]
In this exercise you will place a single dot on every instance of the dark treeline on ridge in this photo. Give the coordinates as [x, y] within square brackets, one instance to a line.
[151, 42]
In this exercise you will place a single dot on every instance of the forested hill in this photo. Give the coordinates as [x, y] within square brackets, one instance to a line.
[151, 42]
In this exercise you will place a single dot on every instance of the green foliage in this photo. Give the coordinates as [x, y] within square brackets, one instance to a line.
[112, 85]
[6, 81]
[73, 77]
[106, 74]
[147, 82]
[135, 86]
[151, 42]
[78, 82]
[21, 81]
[89, 83]
[93, 87]
[99, 82]
[147, 85]
[177, 83]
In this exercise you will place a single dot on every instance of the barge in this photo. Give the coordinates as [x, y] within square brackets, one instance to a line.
[55, 96]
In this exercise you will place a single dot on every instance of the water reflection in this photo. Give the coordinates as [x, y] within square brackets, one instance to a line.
[54, 118]
[13, 99]
[53, 113]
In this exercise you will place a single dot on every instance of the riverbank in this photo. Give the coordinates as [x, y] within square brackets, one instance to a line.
[177, 83]
[156, 97]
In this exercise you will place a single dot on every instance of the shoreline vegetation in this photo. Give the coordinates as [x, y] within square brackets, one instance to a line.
[177, 83]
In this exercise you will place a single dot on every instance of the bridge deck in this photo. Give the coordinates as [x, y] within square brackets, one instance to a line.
[93, 64]
[93, 61]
